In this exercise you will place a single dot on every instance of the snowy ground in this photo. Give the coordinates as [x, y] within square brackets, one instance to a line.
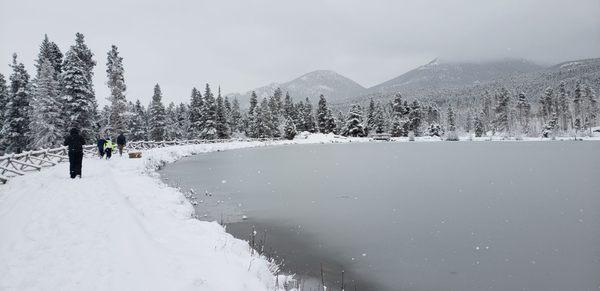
[120, 228]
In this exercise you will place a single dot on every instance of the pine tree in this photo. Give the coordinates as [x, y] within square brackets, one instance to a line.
[324, 116]
[577, 100]
[434, 129]
[378, 122]
[171, 125]
[116, 84]
[546, 105]
[400, 121]
[236, 116]
[370, 117]
[415, 117]
[222, 125]
[138, 126]
[4, 97]
[564, 113]
[15, 130]
[46, 128]
[299, 117]
[275, 103]
[264, 125]
[157, 120]
[451, 119]
[523, 112]
[289, 112]
[78, 98]
[183, 121]
[502, 119]
[354, 122]
[195, 114]
[49, 51]
[591, 108]
[340, 123]
[308, 118]
[209, 115]
[479, 127]
[289, 129]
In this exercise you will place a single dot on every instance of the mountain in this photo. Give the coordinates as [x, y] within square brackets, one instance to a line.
[439, 75]
[334, 86]
[468, 81]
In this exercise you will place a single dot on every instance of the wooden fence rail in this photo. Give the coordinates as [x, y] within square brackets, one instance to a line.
[12, 165]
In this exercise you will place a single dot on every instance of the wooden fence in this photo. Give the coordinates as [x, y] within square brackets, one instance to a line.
[12, 165]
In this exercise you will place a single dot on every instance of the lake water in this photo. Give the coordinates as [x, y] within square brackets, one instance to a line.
[413, 216]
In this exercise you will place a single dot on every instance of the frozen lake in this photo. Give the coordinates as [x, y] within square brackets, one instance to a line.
[414, 216]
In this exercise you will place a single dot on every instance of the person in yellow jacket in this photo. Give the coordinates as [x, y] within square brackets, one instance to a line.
[109, 147]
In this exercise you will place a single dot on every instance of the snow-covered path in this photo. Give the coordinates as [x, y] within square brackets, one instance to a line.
[117, 229]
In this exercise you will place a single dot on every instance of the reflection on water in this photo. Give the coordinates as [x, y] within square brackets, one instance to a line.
[413, 216]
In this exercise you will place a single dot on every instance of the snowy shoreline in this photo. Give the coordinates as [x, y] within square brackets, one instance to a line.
[121, 227]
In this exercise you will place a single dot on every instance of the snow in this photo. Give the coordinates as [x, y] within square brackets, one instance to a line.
[121, 228]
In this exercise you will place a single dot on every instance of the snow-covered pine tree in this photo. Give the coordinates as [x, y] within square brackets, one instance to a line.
[275, 103]
[157, 119]
[138, 127]
[3, 99]
[486, 104]
[323, 116]
[289, 112]
[577, 100]
[45, 126]
[354, 122]
[183, 121]
[400, 122]
[299, 116]
[50, 51]
[546, 105]
[523, 113]
[340, 123]
[289, 129]
[562, 107]
[195, 114]
[378, 122]
[415, 118]
[251, 120]
[236, 116]
[591, 110]
[479, 127]
[78, 98]
[451, 119]
[222, 125]
[171, 125]
[209, 115]
[264, 124]
[308, 117]
[15, 130]
[370, 122]
[434, 129]
[116, 84]
[502, 111]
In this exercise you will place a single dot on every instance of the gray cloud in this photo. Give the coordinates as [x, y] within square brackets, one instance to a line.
[245, 44]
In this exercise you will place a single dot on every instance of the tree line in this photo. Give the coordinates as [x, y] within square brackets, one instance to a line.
[37, 113]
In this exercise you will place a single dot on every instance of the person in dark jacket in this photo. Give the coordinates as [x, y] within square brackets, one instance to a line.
[121, 141]
[100, 144]
[74, 141]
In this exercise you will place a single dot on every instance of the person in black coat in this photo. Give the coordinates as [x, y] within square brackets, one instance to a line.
[121, 141]
[74, 141]
[100, 144]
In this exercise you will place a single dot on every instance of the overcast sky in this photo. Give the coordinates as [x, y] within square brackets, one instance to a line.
[241, 45]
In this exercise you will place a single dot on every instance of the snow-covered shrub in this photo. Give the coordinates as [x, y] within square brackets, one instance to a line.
[411, 136]
[452, 136]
